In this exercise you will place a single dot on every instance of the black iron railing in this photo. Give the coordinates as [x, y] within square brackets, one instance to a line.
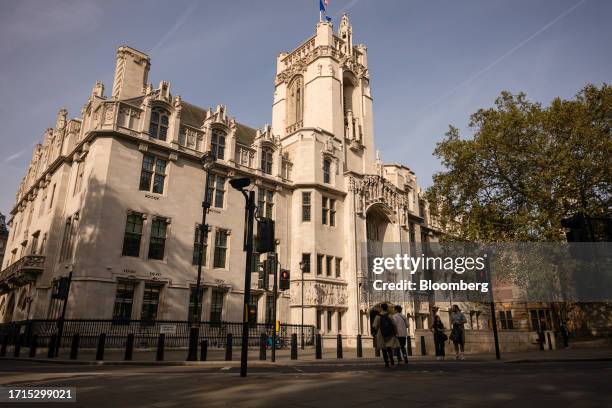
[146, 333]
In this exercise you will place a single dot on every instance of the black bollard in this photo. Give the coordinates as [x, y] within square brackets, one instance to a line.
[160, 347]
[129, 347]
[203, 350]
[100, 350]
[376, 349]
[339, 346]
[18, 342]
[423, 348]
[228, 347]
[51, 351]
[550, 347]
[294, 352]
[318, 348]
[359, 346]
[33, 345]
[192, 354]
[4, 345]
[262, 346]
[74, 346]
[409, 345]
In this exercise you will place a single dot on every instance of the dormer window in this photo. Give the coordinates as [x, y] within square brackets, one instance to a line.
[158, 127]
[266, 160]
[217, 144]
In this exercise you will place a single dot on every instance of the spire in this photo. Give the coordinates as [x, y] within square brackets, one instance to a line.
[60, 121]
[345, 32]
[3, 227]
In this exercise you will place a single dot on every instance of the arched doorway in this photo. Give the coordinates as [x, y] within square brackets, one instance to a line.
[380, 237]
[378, 229]
[10, 308]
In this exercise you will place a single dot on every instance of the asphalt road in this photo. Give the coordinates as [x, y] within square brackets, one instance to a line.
[368, 384]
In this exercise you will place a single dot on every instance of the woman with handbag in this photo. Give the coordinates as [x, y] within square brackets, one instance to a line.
[439, 337]
[457, 336]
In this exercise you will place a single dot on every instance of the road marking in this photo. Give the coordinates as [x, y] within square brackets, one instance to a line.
[225, 368]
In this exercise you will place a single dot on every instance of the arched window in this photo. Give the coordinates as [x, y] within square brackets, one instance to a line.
[217, 144]
[295, 101]
[347, 92]
[266, 160]
[158, 127]
[327, 171]
[351, 107]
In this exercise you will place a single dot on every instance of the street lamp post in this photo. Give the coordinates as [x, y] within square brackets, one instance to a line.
[208, 160]
[492, 304]
[274, 296]
[302, 266]
[240, 184]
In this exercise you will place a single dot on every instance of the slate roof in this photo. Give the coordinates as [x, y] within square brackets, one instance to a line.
[193, 115]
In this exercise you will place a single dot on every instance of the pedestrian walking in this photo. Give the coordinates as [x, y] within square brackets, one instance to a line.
[439, 337]
[564, 334]
[401, 328]
[386, 339]
[457, 336]
[373, 314]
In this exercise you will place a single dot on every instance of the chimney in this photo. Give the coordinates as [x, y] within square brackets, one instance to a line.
[131, 72]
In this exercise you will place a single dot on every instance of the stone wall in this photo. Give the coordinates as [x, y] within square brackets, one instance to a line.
[481, 341]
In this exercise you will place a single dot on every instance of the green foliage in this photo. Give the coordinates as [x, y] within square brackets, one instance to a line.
[526, 168]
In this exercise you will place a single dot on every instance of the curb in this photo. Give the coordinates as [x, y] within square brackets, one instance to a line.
[365, 361]
[560, 360]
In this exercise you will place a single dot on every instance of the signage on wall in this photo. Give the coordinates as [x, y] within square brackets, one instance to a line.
[155, 275]
[167, 328]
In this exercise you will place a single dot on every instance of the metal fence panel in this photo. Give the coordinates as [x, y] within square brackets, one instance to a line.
[146, 333]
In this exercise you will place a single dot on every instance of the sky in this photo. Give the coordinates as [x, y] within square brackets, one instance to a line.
[432, 63]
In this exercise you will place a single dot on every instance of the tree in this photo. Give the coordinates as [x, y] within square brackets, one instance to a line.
[526, 168]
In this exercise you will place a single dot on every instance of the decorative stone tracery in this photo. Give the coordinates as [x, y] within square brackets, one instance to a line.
[319, 294]
[375, 189]
[297, 64]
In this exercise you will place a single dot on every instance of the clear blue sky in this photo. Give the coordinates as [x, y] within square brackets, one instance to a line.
[432, 63]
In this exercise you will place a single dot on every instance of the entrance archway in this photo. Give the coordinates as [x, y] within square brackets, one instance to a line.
[10, 308]
[378, 228]
[380, 238]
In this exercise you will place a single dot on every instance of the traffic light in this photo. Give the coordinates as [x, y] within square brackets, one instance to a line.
[265, 235]
[260, 275]
[265, 269]
[283, 283]
[252, 311]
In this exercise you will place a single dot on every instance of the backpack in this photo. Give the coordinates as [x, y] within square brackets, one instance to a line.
[387, 329]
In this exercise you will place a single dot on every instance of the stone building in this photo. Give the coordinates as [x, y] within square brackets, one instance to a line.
[3, 237]
[114, 196]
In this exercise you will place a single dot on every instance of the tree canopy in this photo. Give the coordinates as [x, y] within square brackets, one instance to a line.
[526, 168]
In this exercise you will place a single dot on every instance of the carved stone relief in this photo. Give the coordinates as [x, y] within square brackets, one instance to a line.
[319, 294]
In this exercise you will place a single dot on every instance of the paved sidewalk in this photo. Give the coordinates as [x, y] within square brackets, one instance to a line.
[216, 357]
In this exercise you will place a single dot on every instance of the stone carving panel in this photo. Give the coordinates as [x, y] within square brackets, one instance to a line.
[319, 294]
[374, 189]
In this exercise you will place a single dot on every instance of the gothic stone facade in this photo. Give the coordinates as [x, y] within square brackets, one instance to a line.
[115, 197]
